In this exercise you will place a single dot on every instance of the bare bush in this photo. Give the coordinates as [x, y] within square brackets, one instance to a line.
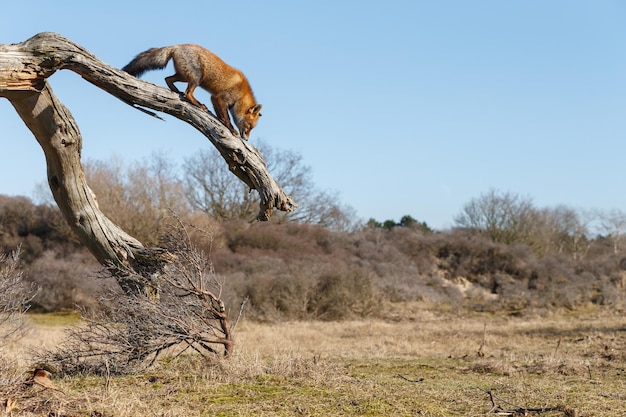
[32, 227]
[15, 297]
[128, 333]
[14, 301]
[65, 281]
[343, 294]
[328, 292]
[139, 197]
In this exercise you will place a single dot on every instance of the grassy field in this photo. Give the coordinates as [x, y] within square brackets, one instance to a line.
[422, 363]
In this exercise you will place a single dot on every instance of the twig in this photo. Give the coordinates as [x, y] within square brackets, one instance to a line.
[241, 306]
[494, 406]
[148, 112]
[558, 344]
[107, 376]
[410, 380]
[497, 408]
[480, 352]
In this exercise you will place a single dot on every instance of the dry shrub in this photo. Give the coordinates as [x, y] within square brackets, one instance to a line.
[34, 228]
[477, 258]
[138, 197]
[343, 294]
[294, 272]
[300, 239]
[280, 267]
[126, 333]
[65, 281]
[288, 296]
[298, 293]
[15, 296]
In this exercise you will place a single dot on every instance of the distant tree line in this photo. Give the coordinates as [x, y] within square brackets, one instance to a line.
[405, 221]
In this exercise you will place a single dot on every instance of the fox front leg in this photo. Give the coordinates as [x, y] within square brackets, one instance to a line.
[221, 111]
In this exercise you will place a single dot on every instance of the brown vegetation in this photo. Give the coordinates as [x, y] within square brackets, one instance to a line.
[301, 271]
[123, 335]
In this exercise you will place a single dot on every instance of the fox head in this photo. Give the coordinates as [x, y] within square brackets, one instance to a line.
[249, 120]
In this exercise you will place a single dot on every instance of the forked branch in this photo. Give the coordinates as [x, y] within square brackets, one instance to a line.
[24, 69]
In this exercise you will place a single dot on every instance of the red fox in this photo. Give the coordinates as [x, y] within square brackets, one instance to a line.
[199, 67]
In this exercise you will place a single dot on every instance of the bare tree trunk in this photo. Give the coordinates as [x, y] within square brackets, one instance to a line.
[24, 68]
[57, 133]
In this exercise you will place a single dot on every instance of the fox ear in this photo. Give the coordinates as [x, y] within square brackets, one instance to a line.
[256, 109]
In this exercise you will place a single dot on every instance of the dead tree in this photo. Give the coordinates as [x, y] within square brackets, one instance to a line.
[24, 70]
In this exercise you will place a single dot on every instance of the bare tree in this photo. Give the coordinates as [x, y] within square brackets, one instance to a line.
[139, 196]
[24, 69]
[569, 230]
[613, 226]
[503, 216]
[211, 189]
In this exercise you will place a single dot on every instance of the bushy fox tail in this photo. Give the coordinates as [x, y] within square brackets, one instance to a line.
[155, 58]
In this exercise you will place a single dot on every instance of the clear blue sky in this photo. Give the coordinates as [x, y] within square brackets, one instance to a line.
[402, 107]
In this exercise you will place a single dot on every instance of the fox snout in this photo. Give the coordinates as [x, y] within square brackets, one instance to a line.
[249, 121]
[246, 134]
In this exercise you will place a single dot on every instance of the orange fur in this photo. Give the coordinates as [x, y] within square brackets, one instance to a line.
[199, 67]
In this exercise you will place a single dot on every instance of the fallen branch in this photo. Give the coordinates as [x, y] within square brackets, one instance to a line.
[520, 410]
[411, 380]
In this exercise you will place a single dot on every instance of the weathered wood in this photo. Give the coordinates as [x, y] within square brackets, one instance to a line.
[24, 68]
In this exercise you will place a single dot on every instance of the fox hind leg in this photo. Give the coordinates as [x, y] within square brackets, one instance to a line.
[171, 80]
[191, 87]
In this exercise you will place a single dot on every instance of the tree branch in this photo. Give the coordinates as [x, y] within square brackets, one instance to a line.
[25, 66]
[24, 69]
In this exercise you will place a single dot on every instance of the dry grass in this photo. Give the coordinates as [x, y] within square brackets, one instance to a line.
[574, 363]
